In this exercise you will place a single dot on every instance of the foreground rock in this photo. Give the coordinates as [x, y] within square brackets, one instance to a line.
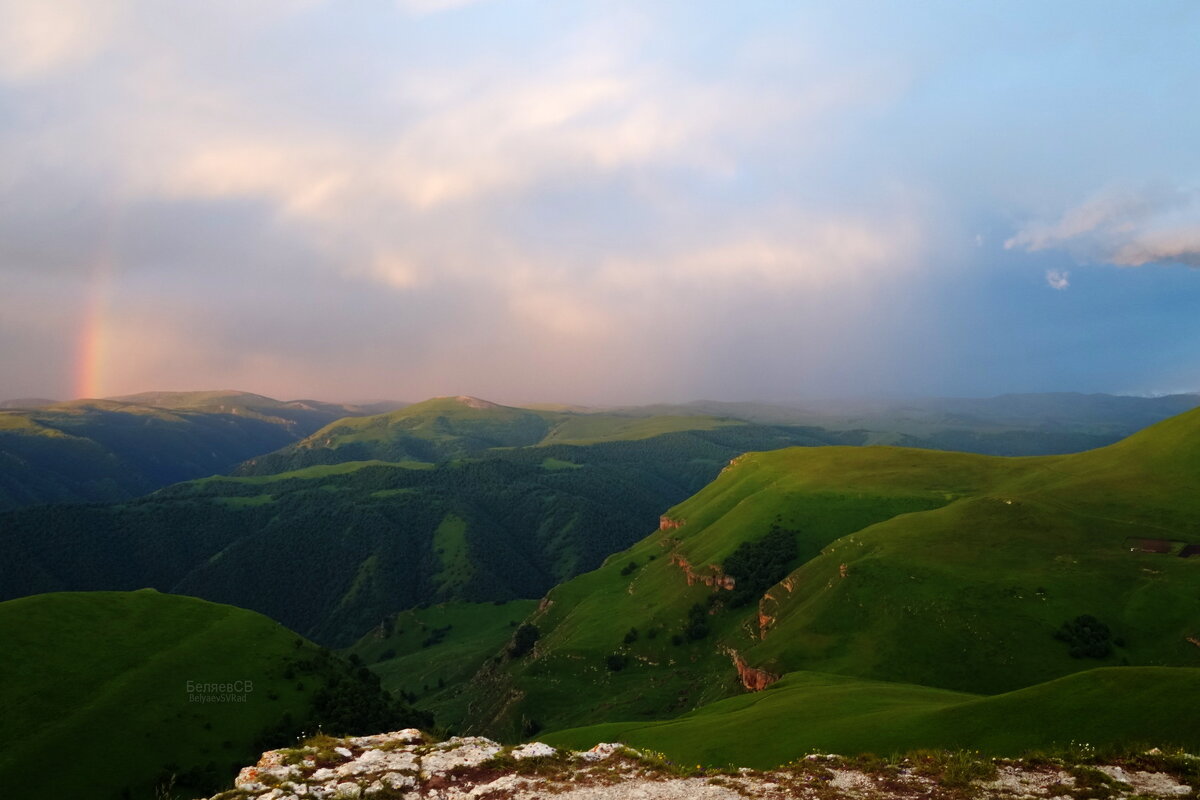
[406, 765]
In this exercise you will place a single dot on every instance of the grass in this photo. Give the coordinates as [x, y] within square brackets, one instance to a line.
[593, 428]
[812, 712]
[946, 570]
[453, 554]
[411, 656]
[447, 428]
[315, 472]
[100, 679]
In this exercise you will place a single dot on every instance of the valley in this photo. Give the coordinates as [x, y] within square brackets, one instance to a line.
[725, 591]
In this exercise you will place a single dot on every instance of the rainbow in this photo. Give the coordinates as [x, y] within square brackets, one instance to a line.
[91, 348]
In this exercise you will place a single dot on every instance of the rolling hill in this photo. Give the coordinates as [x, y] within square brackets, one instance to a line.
[952, 571]
[820, 713]
[107, 450]
[447, 428]
[1047, 423]
[331, 550]
[123, 694]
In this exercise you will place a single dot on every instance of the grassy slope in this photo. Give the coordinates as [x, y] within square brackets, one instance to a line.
[353, 542]
[97, 681]
[110, 450]
[410, 656]
[445, 428]
[814, 712]
[957, 570]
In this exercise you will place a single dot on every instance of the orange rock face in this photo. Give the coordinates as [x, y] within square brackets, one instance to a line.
[715, 577]
[665, 523]
[752, 678]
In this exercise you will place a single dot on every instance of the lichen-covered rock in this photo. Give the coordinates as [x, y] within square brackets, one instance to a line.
[458, 753]
[404, 765]
[602, 751]
[532, 750]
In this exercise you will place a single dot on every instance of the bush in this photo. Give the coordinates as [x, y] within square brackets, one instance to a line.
[616, 662]
[696, 627]
[759, 564]
[1086, 637]
[523, 640]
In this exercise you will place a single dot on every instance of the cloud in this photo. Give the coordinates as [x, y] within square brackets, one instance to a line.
[1058, 279]
[38, 38]
[423, 8]
[1125, 228]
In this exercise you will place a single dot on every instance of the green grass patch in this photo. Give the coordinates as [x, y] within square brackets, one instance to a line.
[810, 712]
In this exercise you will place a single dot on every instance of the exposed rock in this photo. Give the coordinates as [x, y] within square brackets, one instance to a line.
[766, 605]
[1147, 783]
[665, 523]
[468, 751]
[602, 751]
[715, 577]
[752, 678]
[401, 765]
[532, 750]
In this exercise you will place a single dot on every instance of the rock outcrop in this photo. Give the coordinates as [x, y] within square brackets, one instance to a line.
[752, 678]
[406, 765]
[769, 603]
[665, 523]
[714, 577]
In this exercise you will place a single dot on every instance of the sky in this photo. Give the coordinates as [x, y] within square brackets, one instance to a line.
[598, 202]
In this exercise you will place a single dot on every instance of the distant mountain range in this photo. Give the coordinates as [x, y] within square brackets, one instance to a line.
[116, 449]
[120, 448]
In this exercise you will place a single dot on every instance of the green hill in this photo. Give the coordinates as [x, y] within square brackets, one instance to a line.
[813, 712]
[104, 693]
[331, 550]
[447, 428]
[948, 570]
[109, 450]
[427, 654]
[300, 417]
[1007, 425]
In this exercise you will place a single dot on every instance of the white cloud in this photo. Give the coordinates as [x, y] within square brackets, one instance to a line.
[38, 37]
[422, 8]
[1058, 279]
[1125, 228]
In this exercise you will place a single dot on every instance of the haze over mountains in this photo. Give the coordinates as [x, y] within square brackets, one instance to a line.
[120, 448]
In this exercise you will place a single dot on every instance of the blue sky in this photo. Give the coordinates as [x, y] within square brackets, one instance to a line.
[598, 202]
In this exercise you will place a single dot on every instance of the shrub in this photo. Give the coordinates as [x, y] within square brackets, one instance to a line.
[759, 564]
[523, 640]
[1085, 637]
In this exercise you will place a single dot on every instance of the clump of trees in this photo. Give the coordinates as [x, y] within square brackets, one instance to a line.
[1087, 637]
[696, 627]
[523, 640]
[759, 564]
